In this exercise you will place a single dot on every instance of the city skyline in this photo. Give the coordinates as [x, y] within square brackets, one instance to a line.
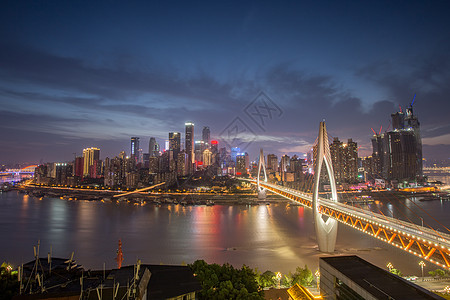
[75, 76]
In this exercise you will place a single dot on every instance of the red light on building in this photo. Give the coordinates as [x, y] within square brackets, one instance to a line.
[238, 173]
[214, 142]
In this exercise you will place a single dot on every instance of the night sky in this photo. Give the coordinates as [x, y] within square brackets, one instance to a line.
[94, 73]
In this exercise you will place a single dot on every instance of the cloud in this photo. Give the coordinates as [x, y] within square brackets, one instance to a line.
[437, 140]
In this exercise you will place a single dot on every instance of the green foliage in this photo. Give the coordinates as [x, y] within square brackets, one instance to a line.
[438, 273]
[226, 282]
[267, 279]
[9, 285]
[396, 272]
[302, 276]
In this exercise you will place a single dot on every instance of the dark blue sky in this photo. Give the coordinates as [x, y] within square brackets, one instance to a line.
[94, 73]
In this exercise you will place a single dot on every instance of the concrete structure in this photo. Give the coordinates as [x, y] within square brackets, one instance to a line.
[261, 164]
[326, 231]
[350, 277]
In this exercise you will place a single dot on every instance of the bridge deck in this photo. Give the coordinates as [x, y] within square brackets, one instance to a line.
[423, 242]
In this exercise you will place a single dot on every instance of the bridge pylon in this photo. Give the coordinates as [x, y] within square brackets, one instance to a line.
[326, 231]
[261, 164]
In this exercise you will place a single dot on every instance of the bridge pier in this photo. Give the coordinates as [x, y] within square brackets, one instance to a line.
[326, 231]
[261, 164]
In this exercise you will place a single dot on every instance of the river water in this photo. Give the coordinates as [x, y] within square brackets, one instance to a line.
[278, 237]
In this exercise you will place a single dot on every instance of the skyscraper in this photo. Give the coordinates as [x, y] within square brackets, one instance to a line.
[174, 142]
[206, 135]
[91, 157]
[153, 147]
[189, 140]
[134, 147]
[397, 154]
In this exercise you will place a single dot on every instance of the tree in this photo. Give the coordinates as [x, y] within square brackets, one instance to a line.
[9, 285]
[226, 282]
[302, 276]
[267, 279]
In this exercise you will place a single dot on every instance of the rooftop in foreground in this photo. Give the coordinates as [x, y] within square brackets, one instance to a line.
[380, 284]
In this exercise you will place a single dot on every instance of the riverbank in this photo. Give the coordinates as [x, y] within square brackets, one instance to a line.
[200, 198]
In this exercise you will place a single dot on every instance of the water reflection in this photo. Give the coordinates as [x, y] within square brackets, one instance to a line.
[277, 237]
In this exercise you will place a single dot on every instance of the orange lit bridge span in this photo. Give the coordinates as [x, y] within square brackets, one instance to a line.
[423, 242]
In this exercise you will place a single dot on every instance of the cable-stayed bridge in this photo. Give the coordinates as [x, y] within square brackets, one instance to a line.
[426, 243]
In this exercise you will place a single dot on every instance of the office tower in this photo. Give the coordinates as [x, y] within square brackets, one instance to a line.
[199, 147]
[206, 136]
[91, 157]
[153, 147]
[78, 170]
[182, 164]
[175, 142]
[397, 154]
[240, 164]
[351, 161]
[215, 151]
[189, 140]
[134, 147]
[412, 122]
[284, 166]
[272, 162]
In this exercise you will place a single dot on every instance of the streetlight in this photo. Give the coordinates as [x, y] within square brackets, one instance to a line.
[278, 275]
[422, 264]
[390, 266]
[447, 289]
[318, 279]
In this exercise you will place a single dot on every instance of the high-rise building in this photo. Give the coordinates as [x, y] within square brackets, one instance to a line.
[78, 170]
[207, 158]
[182, 164]
[234, 153]
[397, 154]
[345, 160]
[134, 147]
[215, 151]
[272, 162]
[91, 157]
[206, 135]
[153, 147]
[199, 147]
[241, 166]
[189, 148]
[175, 142]
[284, 166]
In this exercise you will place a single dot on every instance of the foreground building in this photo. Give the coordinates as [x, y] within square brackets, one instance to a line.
[63, 279]
[351, 277]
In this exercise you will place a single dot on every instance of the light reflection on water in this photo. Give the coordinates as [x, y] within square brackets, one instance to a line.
[278, 237]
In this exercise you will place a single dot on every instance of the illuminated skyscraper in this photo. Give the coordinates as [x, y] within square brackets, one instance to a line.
[174, 142]
[189, 140]
[134, 147]
[91, 157]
